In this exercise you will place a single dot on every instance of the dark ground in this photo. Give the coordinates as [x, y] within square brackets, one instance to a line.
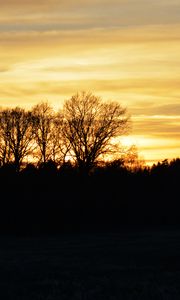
[125, 265]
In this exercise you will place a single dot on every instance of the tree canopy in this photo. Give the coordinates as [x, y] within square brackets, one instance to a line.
[90, 125]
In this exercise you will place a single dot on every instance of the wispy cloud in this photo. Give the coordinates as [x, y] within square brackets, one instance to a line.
[51, 14]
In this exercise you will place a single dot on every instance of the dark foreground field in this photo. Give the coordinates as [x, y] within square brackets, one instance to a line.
[127, 265]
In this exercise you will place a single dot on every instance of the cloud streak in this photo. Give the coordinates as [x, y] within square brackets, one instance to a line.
[50, 14]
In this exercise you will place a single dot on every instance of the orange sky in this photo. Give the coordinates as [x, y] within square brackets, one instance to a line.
[124, 50]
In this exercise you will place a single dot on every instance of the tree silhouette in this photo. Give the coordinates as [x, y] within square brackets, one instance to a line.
[48, 134]
[90, 125]
[16, 135]
[60, 145]
[4, 142]
[43, 116]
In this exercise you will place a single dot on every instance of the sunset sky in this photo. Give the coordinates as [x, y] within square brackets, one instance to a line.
[124, 50]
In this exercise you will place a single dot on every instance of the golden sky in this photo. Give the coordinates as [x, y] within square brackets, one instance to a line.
[124, 50]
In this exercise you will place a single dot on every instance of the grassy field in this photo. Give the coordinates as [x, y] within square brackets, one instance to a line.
[126, 265]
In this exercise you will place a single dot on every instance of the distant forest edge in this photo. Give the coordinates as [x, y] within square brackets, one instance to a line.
[47, 200]
[69, 185]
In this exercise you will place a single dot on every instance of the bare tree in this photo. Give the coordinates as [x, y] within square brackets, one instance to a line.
[43, 116]
[90, 126]
[60, 145]
[132, 160]
[4, 143]
[48, 134]
[16, 133]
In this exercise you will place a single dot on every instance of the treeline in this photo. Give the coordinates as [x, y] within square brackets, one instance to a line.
[54, 176]
[50, 200]
[81, 131]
